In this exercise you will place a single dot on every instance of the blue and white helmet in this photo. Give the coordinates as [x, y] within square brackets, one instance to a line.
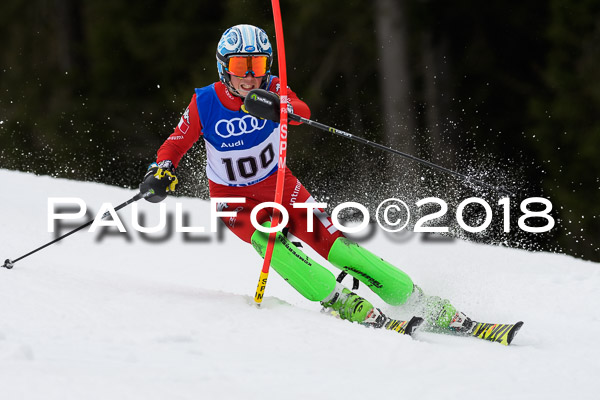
[242, 40]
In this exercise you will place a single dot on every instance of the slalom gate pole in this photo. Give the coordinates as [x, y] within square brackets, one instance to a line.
[8, 263]
[264, 273]
[339, 132]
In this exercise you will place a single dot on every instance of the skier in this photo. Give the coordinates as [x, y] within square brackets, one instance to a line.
[241, 162]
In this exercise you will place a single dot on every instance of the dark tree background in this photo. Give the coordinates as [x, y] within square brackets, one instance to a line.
[507, 93]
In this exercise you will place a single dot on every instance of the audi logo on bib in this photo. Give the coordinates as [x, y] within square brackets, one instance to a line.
[238, 126]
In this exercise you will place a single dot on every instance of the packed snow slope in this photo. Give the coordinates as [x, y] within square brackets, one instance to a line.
[120, 317]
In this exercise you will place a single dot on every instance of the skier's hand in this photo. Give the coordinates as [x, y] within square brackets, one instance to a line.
[264, 104]
[158, 181]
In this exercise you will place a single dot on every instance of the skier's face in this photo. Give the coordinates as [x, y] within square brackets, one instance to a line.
[246, 84]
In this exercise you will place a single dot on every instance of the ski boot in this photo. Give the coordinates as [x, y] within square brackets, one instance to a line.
[444, 315]
[347, 305]
[441, 315]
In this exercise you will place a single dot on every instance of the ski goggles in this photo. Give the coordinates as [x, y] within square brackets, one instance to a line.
[242, 65]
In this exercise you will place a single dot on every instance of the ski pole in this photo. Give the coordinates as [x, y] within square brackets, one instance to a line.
[261, 103]
[9, 264]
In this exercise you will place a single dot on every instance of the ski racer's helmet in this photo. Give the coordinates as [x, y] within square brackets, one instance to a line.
[241, 50]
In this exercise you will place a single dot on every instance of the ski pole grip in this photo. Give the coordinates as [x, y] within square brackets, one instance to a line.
[263, 104]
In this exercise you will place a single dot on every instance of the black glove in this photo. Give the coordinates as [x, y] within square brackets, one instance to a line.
[158, 181]
[264, 104]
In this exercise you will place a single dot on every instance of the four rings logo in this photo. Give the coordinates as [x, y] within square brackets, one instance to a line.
[238, 126]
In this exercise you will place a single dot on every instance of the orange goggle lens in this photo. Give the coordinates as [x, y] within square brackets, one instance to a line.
[241, 66]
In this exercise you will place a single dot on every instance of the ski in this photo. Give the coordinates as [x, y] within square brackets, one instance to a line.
[379, 321]
[499, 333]
[403, 327]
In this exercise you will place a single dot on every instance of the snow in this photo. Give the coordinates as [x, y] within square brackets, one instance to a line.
[105, 318]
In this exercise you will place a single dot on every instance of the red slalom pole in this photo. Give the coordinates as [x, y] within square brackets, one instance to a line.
[283, 128]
